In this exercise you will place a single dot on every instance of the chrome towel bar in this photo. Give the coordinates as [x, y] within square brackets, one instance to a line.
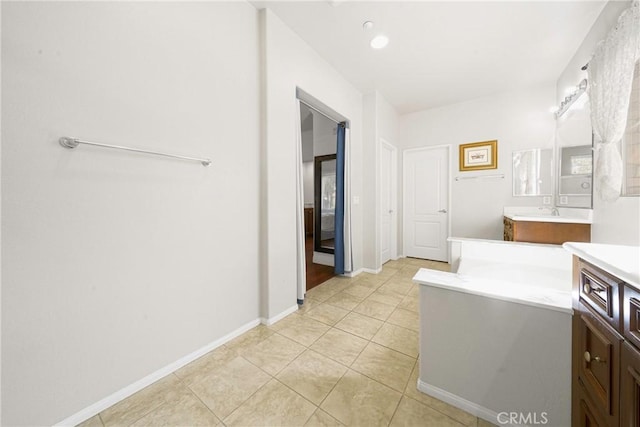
[69, 142]
[499, 176]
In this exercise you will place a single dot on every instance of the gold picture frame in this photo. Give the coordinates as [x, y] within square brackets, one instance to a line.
[479, 155]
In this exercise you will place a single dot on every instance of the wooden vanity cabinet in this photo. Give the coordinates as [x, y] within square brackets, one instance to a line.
[605, 349]
[555, 233]
[598, 359]
[630, 386]
[585, 417]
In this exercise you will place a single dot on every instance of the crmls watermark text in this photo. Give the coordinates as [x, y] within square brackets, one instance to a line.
[524, 418]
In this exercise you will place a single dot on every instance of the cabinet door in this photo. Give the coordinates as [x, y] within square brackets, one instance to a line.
[599, 367]
[630, 387]
[586, 415]
[631, 310]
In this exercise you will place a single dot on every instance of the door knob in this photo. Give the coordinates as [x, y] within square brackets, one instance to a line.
[442, 211]
[588, 358]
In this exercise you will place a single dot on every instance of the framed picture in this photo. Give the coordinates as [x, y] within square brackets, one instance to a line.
[479, 155]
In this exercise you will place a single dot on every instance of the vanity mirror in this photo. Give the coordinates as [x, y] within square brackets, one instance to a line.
[325, 203]
[575, 176]
[533, 172]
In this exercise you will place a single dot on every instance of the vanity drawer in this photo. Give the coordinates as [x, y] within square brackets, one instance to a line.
[599, 365]
[600, 291]
[631, 314]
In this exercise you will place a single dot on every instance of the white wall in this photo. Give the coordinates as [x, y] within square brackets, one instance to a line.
[117, 264]
[307, 145]
[370, 155]
[290, 63]
[518, 120]
[380, 123]
[325, 139]
[307, 177]
[613, 222]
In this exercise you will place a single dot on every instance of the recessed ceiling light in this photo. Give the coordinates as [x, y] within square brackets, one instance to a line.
[367, 25]
[380, 41]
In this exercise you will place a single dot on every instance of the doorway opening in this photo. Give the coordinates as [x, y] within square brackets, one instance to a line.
[330, 132]
[319, 175]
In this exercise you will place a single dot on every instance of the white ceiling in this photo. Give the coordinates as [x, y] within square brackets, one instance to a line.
[442, 52]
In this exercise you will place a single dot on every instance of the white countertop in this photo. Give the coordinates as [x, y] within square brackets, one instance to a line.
[497, 289]
[621, 261]
[548, 218]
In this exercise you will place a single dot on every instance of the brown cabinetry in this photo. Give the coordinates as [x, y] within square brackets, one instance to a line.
[598, 356]
[605, 363]
[585, 417]
[630, 386]
[545, 232]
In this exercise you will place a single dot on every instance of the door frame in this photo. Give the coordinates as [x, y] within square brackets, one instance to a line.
[449, 192]
[393, 174]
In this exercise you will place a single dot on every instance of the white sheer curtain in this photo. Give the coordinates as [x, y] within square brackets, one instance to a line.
[301, 268]
[610, 78]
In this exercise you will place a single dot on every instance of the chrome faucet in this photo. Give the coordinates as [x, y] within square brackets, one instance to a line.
[555, 212]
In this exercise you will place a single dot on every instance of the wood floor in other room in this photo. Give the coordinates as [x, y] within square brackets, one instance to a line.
[316, 273]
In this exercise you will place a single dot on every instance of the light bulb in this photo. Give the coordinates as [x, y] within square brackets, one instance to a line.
[380, 41]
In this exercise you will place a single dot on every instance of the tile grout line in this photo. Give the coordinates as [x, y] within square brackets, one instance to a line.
[399, 274]
[251, 395]
[201, 401]
[440, 412]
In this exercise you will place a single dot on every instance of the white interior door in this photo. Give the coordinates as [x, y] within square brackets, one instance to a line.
[388, 202]
[426, 202]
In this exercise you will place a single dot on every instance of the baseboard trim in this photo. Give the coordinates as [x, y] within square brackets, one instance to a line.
[270, 321]
[372, 271]
[122, 394]
[353, 273]
[460, 403]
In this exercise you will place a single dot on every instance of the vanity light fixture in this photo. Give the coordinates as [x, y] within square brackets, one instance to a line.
[379, 41]
[568, 100]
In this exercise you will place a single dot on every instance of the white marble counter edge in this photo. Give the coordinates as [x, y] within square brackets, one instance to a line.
[502, 242]
[603, 264]
[545, 218]
[436, 283]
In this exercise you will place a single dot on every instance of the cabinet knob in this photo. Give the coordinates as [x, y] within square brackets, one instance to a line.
[588, 358]
[587, 288]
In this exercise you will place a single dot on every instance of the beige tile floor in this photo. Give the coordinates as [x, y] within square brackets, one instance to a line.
[347, 357]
